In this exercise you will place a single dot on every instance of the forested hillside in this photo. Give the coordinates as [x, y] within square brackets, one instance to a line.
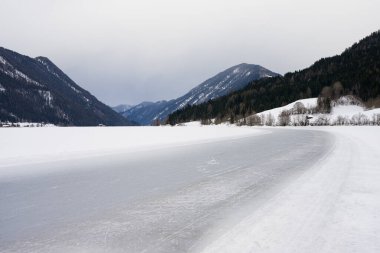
[355, 72]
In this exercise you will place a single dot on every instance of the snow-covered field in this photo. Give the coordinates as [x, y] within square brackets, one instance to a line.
[192, 189]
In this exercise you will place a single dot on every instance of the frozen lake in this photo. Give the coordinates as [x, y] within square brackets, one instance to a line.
[170, 199]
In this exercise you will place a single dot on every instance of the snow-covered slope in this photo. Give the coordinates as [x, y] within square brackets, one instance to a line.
[223, 83]
[345, 111]
[308, 103]
[229, 80]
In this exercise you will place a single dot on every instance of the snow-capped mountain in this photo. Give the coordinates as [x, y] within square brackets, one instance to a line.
[232, 79]
[36, 90]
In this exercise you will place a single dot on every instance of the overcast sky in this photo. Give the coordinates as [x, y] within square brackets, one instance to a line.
[128, 51]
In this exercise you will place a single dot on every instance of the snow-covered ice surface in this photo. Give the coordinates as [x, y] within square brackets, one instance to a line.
[36, 145]
[332, 207]
[244, 190]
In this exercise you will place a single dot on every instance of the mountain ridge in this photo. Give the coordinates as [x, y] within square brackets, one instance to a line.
[35, 89]
[226, 81]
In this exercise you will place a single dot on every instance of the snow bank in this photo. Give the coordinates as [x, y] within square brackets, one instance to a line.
[33, 145]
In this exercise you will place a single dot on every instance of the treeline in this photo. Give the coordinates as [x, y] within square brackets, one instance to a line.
[285, 118]
[318, 115]
[292, 118]
[357, 69]
[23, 124]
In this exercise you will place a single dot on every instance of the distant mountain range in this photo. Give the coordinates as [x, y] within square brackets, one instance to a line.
[354, 72]
[231, 79]
[36, 90]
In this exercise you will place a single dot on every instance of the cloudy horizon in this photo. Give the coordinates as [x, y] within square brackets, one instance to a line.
[126, 52]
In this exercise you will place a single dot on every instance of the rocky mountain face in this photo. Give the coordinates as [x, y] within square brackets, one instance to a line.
[36, 90]
[229, 80]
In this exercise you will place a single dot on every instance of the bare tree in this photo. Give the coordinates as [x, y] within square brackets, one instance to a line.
[376, 119]
[284, 118]
[324, 100]
[298, 108]
[340, 120]
[262, 118]
[299, 120]
[322, 120]
[323, 104]
[337, 90]
[360, 119]
[270, 120]
[254, 120]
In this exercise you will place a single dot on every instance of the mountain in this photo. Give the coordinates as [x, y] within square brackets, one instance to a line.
[229, 80]
[146, 112]
[354, 72]
[36, 90]
[122, 108]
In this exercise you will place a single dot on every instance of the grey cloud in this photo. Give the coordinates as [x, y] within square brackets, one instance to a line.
[132, 51]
